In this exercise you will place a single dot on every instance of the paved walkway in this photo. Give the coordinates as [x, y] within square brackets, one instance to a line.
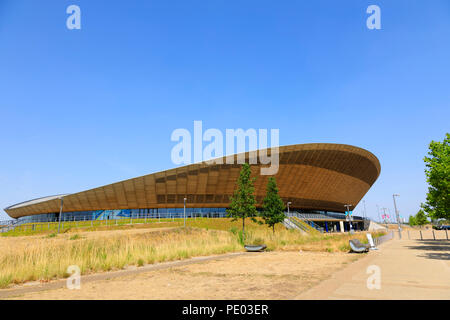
[409, 269]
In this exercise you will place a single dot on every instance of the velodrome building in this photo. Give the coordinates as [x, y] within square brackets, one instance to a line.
[317, 180]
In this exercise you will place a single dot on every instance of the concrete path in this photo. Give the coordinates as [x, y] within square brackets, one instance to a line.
[409, 269]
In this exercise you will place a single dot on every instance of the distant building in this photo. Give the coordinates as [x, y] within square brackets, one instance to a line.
[317, 179]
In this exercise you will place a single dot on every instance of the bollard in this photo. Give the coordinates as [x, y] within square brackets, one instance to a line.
[409, 238]
[446, 234]
[421, 237]
[434, 236]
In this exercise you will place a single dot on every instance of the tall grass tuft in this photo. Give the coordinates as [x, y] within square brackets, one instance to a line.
[49, 258]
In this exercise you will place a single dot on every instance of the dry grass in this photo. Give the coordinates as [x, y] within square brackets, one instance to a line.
[125, 224]
[99, 225]
[49, 258]
[44, 258]
[290, 240]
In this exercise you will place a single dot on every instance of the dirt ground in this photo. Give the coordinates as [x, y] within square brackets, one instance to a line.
[271, 275]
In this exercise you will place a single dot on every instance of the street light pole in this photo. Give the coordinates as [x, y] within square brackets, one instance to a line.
[365, 212]
[385, 220]
[60, 213]
[349, 218]
[185, 212]
[397, 215]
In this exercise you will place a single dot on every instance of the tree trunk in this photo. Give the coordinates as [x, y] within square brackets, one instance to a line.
[243, 229]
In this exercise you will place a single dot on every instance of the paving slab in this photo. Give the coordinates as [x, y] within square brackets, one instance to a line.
[408, 269]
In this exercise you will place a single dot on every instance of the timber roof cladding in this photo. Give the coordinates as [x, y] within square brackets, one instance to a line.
[312, 176]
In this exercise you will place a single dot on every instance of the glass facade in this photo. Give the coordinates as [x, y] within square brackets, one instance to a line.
[331, 214]
[127, 214]
[174, 213]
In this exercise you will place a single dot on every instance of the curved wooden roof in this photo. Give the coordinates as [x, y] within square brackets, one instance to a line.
[316, 176]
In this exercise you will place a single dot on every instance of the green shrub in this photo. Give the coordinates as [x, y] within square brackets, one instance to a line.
[240, 236]
[233, 230]
[5, 281]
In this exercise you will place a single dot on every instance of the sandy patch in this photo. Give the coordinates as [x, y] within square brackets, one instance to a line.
[273, 275]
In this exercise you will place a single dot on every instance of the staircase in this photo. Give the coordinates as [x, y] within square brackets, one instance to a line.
[304, 224]
[309, 227]
[288, 223]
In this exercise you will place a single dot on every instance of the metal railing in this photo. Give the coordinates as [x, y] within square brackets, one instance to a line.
[305, 217]
[341, 216]
[297, 225]
[6, 223]
[52, 224]
[423, 234]
[382, 239]
[288, 223]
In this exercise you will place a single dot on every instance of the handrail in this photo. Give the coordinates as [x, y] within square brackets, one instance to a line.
[292, 215]
[311, 223]
[299, 225]
[289, 224]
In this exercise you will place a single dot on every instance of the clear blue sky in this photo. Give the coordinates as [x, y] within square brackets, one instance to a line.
[81, 109]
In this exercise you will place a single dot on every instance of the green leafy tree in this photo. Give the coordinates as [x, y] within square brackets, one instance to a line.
[273, 206]
[421, 218]
[437, 171]
[243, 203]
[412, 221]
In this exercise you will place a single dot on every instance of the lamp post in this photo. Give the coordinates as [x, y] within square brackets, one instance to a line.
[365, 212]
[349, 217]
[397, 216]
[385, 217]
[185, 212]
[60, 213]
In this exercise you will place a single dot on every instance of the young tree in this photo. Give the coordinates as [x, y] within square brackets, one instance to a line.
[273, 206]
[421, 218]
[243, 203]
[438, 177]
[412, 221]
